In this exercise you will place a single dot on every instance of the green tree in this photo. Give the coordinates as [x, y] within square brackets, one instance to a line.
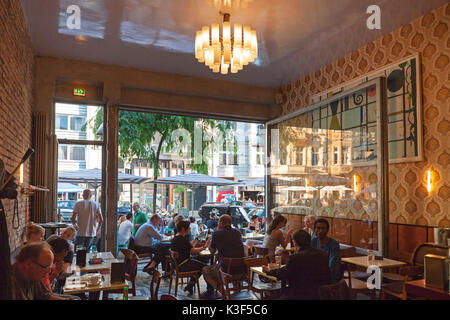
[145, 135]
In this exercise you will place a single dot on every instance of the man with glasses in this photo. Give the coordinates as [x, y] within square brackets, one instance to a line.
[33, 263]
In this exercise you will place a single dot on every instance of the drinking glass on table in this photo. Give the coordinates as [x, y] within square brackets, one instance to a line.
[370, 256]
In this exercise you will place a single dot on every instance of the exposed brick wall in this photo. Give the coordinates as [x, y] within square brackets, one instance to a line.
[16, 97]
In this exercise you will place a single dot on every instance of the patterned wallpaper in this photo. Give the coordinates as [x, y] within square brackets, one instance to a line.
[429, 35]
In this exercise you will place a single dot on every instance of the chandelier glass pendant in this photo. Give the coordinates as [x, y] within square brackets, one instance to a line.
[226, 50]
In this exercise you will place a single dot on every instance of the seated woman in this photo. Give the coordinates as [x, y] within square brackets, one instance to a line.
[275, 237]
[34, 233]
[309, 223]
[184, 248]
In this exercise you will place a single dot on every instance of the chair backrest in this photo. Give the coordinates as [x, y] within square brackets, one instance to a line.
[256, 262]
[225, 280]
[337, 291]
[168, 297]
[417, 258]
[174, 259]
[233, 262]
[260, 251]
[348, 252]
[130, 261]
[154, 284]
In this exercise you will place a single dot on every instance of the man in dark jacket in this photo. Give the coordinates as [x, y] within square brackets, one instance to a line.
[305, 271]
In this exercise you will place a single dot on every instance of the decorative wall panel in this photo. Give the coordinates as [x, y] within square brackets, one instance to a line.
[410, 202]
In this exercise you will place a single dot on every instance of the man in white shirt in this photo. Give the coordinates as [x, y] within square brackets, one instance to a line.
[125, 230]
[89, 220]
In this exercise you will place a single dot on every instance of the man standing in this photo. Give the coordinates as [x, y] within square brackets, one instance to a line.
[33, 263]
[89, 221]
[306, 270]
[139, 217]
[228, 242]
[330, 245]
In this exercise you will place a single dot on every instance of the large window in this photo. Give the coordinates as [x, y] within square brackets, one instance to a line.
[343, 179]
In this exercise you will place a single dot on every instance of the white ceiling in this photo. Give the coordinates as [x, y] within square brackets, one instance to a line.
[295, 37]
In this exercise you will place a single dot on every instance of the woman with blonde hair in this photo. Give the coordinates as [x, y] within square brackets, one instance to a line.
[34, 233]
[121, 219]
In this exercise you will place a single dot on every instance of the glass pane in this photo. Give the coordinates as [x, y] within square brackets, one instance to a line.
[339, 179]
[61, 123]
[85, 122]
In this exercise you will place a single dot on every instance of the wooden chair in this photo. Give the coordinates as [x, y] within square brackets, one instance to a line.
[260, 251]
[175, 272]
[142, 257]
[130, 261]
[395, 282]
[347, 253]
[154, 284]
[168, 297]
[337, 291]
[415, 263]
[260, 288]
[396, 288]
[227, 287]
[240, 278]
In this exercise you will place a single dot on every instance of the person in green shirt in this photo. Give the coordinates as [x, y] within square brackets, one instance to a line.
[139, 217]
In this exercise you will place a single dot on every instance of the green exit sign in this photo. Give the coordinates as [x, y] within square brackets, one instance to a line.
[79, 92]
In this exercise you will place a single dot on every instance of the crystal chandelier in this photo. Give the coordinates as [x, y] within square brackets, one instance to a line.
[225, 50]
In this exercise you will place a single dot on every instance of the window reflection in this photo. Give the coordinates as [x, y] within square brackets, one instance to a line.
[326, 165]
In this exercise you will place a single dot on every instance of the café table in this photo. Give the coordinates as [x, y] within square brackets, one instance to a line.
[362, 261]
[107, 257]
[52, 226]
[166, 239]
[253, 236]
[262, 272]
[74, 285]
[418, 289]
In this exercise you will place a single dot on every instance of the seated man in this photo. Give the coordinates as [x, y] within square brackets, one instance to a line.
[228, 242]
[60, 248]
[306, 270]
[146, 241]
[211, 224]
[33, 262]
[330, 245]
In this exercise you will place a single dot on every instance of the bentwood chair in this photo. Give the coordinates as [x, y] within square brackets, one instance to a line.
[168, 297]
[175, 272]
[337, 291]
[131, 263]
[142, 257]
[229, 290]
[154, 284]
[264, 289]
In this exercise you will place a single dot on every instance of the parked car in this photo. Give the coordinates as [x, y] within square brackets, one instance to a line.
[65, 208]
[123, 208]
[238, 214]
[247, 205]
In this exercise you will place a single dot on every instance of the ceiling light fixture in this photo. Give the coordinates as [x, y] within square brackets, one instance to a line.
[226, 50]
